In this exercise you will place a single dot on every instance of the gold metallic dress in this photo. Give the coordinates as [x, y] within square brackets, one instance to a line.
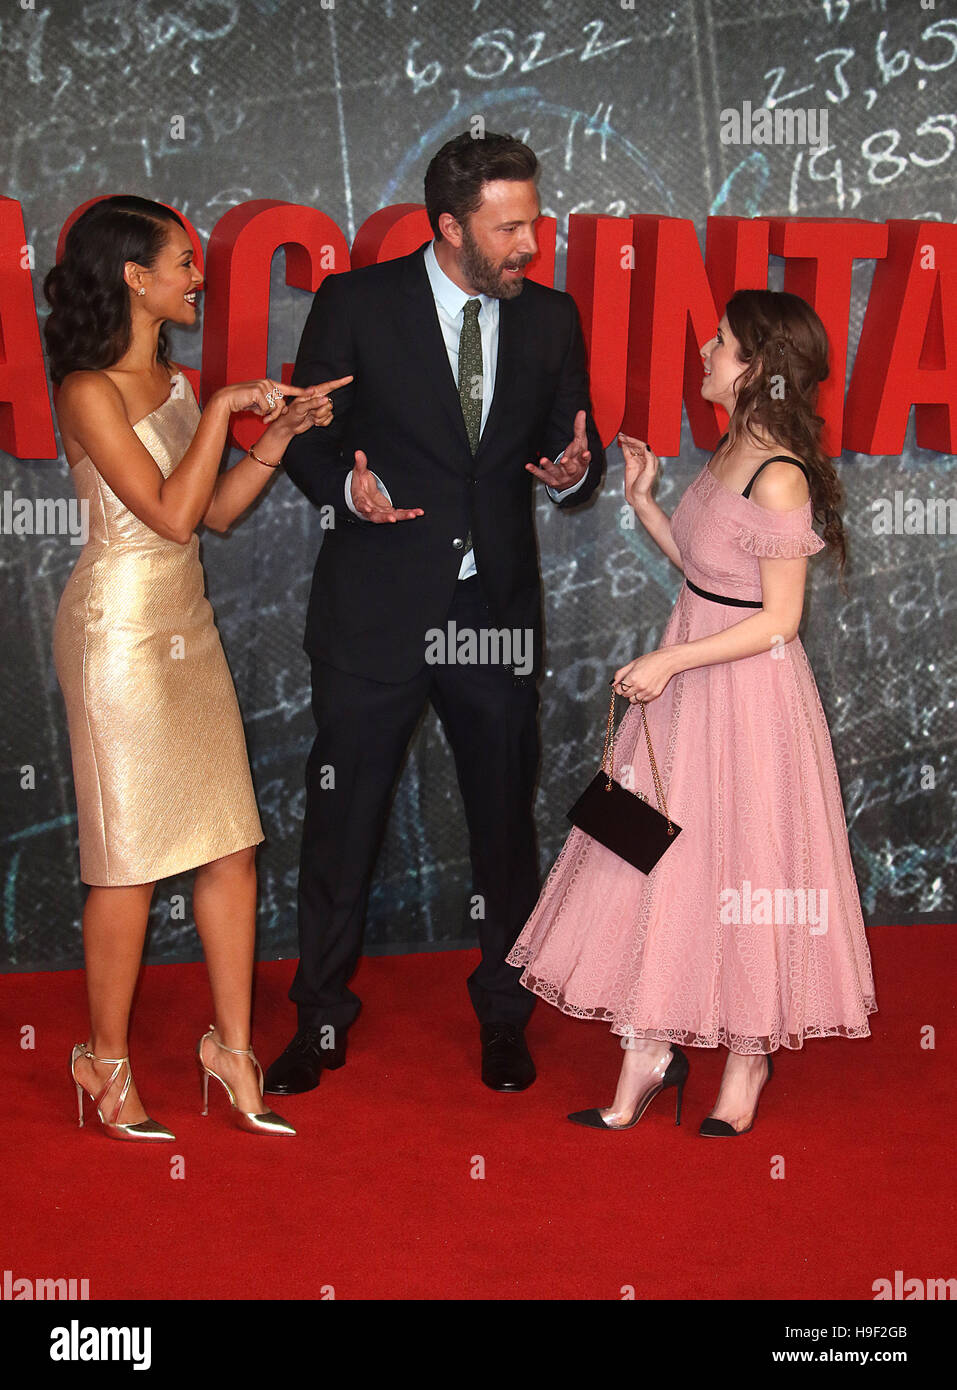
[159, 754]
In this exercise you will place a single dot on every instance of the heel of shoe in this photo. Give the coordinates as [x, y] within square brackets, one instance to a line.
[203, 1084]
[80, 1093]
[677, 1075]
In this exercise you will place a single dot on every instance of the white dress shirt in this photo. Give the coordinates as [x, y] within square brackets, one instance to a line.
[450, 303]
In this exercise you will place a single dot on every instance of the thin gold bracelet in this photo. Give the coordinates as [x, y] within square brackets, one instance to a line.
[255, 456]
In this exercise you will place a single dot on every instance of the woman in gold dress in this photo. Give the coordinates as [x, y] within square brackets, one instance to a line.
[159, 756]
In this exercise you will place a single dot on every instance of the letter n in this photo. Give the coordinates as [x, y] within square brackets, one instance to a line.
[599, 284]
[673, 313]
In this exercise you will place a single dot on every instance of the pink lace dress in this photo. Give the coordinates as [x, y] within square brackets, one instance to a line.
[748, 931]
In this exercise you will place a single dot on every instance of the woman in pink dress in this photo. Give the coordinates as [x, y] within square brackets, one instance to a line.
[747, 934]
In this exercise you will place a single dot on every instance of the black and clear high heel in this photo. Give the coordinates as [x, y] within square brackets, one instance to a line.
[675, 1075]
[720, 1129]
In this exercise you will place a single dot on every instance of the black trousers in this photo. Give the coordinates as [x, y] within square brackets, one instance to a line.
[363, 727]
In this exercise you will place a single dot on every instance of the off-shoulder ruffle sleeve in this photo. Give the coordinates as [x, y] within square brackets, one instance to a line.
[778, 535]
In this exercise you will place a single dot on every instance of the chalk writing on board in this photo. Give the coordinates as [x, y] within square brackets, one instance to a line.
[281, 100]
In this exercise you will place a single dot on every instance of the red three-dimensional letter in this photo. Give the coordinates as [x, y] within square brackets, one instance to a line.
[907, 354]
[241, 248]
[391, 232]
[736, 257]
[192, 375]
[26, 425]
[673, 313]
[597, 276]
[820, 256]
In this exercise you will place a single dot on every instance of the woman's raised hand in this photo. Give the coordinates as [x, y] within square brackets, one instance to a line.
[263, 397]
[641, 467]
[313, 408]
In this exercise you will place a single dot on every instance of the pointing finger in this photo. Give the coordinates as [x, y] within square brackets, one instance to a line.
[333, 385]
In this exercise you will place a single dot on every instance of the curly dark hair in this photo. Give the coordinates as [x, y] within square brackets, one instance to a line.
[785, 343]
[88, 326]
[454, 178]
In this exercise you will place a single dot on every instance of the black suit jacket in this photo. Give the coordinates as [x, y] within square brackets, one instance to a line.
[377, 589]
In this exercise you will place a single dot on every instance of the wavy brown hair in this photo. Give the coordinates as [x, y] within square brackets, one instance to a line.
[780, 336]
[88, 327]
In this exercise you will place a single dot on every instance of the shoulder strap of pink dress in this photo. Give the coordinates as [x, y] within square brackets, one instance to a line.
[787, 459]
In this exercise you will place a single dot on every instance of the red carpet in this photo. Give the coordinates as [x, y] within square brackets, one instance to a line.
[375, 1197]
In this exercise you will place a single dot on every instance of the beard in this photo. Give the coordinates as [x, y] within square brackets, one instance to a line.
[486, 275]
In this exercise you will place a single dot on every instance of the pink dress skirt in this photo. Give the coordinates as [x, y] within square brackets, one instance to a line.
[748, 931]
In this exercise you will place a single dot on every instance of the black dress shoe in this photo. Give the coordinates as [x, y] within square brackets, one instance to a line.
[506, 1061]
[299, 1068]
[676, 1075]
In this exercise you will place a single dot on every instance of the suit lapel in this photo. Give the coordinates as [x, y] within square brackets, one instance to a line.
[507, 369]
[419, 324]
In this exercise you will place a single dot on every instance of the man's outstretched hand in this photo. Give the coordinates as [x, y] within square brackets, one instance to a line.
[369, 502]
[573, 464]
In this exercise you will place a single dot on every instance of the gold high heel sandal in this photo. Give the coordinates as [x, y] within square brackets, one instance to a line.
[267, 1121]
[147, 1131]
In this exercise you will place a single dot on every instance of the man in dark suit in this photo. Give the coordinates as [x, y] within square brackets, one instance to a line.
[463, 373]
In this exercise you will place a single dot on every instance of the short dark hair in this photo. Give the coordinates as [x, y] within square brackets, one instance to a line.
[454, 178]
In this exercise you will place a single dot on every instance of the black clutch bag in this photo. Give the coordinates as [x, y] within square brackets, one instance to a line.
[620, 819]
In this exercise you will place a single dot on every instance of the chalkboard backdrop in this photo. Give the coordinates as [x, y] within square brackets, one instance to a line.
[340, 107]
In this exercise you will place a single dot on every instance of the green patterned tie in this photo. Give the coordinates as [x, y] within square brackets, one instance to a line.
[470, 379]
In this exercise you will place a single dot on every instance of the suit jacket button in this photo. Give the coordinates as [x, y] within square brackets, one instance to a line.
[458, 543]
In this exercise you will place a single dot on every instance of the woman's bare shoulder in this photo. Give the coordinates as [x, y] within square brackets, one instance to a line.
[85, 389]
[780, 486]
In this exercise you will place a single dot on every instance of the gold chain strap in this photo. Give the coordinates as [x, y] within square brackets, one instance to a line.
[610, 750]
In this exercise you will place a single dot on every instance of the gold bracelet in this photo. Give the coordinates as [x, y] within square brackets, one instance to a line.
[255, 456]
